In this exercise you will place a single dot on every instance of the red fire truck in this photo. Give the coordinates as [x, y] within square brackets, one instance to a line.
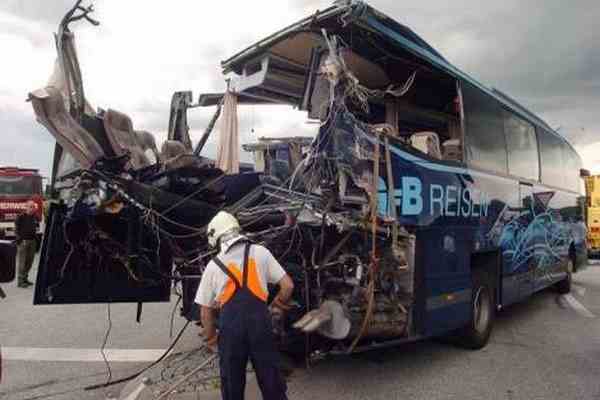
[17, 187]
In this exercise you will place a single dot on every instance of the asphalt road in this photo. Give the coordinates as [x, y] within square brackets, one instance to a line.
[545, 348]
[32, 338]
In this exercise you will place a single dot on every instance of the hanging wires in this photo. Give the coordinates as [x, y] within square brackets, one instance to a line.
[173, 315]
[102, 348]
[133, 376]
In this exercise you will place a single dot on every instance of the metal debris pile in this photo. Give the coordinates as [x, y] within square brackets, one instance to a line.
[131, 219]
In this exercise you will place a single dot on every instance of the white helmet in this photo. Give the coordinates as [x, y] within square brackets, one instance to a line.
[221, 224]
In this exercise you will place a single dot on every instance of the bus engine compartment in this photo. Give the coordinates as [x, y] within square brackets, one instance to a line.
[128, 219]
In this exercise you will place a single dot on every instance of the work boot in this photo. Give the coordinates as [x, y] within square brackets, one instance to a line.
[24, 284]
[27, 281]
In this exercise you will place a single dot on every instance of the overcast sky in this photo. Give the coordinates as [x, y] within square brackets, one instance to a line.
[545, 53]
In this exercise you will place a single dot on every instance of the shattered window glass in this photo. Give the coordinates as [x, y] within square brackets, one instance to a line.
[485, 141]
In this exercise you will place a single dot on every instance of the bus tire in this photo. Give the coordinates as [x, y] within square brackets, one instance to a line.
[476, 334]
[564, 286]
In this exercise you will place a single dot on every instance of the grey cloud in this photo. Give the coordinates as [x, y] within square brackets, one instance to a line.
[526, 47]
[25, 143]
[543, 53]
[46, 11]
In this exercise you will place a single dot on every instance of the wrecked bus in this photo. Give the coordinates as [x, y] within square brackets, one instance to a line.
[425, 203]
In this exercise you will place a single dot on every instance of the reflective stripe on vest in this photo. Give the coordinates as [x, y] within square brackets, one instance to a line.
[235, 277]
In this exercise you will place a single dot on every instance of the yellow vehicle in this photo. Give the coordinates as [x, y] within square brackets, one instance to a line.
[592, 189]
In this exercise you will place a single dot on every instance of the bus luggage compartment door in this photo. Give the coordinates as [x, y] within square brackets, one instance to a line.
[83, 264]
[526, 280]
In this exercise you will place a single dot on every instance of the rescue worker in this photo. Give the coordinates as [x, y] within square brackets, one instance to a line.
[235, 283]
[26, 233]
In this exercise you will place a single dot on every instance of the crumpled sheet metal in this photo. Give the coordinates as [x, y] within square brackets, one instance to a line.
[124, 139]
[50, 111]
[345, 141]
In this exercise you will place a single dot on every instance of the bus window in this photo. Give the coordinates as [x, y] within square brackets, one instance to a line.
[572, 167]
[522, 148]
[552, 158]
[484, 131]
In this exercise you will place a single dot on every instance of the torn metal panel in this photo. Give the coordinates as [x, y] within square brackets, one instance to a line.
[315, 204]
[50, 111]
[234, 63]
[178, 125]
[67, 76]
[271, 78]
[126, 141]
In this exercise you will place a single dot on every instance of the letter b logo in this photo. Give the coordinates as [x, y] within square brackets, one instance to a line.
[412, 198]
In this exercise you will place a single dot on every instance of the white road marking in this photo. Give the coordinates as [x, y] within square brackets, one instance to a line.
[579, 289]
[577, 306]
[136, 393]
[79, 355]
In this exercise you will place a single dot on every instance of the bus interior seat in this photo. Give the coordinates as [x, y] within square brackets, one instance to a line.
[174, 155]
[171, 149]
[148, 144]
[123, 139]
[386, 129]
[428, 143]
[451, 150]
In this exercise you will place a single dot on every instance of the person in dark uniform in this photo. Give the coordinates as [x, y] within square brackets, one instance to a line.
[25, 230]
[235, 283]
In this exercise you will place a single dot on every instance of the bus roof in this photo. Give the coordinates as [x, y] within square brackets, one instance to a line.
[362, 15]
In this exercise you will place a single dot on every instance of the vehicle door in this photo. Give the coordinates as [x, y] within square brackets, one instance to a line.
[528, 240]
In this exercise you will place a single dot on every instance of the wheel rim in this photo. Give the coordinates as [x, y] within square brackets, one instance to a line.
[481, 311]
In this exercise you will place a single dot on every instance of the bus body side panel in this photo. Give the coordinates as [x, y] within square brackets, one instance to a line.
[554, 216]
[445, 262]
[499, 232]
[457, 212]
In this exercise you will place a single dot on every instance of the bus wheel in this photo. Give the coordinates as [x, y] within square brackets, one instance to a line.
[477, 332]
[564, 286]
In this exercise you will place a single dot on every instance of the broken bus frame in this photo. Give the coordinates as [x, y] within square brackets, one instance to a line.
[425, 202]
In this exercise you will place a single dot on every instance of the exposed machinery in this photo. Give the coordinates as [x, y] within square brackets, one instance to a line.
[127, 212]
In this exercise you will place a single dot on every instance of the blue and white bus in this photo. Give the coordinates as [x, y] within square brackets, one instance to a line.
[426, 202]
[489, 191]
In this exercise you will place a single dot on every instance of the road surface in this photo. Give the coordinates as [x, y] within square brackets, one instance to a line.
[545, 348]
